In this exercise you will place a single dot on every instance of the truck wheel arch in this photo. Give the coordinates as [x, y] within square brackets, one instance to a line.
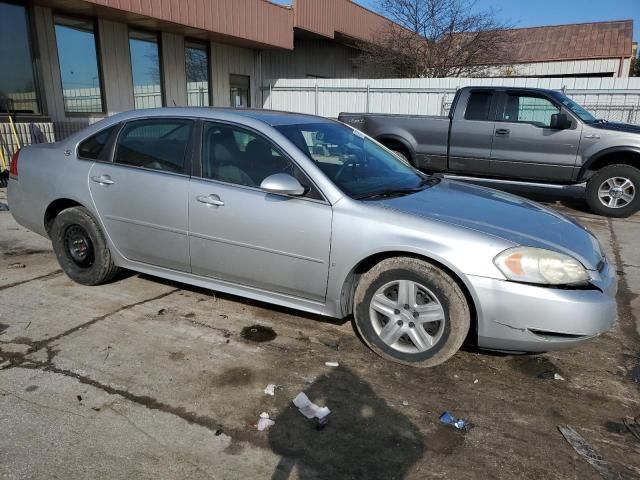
[395, 142]
[610, 156]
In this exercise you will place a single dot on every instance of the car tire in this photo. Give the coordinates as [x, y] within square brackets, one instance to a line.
[81, 248]
[614, 191]
[421, 333]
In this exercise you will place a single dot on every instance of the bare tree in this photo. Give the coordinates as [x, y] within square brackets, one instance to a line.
[436, 38]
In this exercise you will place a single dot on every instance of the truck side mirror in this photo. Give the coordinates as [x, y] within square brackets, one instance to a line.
[560, 121]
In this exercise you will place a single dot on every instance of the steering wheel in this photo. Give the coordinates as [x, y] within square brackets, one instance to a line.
[350, 162]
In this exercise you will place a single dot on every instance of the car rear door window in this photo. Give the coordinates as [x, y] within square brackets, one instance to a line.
[95, 147]
[157, 144]
[528, 109]
[478, 106]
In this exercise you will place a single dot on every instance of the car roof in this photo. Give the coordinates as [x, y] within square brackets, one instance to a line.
[269, 117]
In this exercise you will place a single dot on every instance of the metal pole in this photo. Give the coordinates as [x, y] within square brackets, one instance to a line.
[316, 99]
[270, 96]
[368, 97]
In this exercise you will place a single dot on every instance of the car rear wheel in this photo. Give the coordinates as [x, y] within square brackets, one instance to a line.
[410, 311]
[613, 191]
[81, 248]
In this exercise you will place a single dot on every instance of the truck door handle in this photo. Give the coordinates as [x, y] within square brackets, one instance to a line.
[212, 200]
[104, 180]
[502, 132]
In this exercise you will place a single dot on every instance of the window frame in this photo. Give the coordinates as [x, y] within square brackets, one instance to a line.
[34, 51]
[503, 102]
[158, 35]
[187, 168]
[207, 46]
[199, 147]
[96, 39]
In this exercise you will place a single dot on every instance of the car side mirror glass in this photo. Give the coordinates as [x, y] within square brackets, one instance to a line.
[282, 184]
[560, 121]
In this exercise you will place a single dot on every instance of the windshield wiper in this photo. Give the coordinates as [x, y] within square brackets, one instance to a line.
[389, 193]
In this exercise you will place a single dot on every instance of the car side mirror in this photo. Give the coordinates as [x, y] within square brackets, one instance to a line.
[282, 184]
[560, 121]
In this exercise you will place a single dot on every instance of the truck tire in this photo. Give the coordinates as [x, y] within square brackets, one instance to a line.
[81, 248]
[614, 191]
[402, 155]
[410, 311]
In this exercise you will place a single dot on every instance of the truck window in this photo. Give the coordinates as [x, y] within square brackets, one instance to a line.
[478, 106]
[528, 109]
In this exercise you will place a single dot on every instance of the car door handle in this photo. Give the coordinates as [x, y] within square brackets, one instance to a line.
[502, 131]
[104, 180]
[210, 200]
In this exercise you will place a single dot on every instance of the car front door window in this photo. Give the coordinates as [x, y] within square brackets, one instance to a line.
[529, 109]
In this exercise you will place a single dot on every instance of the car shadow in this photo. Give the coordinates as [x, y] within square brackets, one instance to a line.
[365, 437]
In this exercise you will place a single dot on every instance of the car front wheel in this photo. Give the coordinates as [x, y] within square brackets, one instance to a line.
[410, 311]
[613, 191]
[81, 248]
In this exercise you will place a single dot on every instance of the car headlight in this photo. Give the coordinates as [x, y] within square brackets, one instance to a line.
[536, 265]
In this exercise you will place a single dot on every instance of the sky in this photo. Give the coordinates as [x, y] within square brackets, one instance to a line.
[531, 13]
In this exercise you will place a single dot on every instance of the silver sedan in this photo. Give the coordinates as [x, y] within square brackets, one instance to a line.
[308, 213]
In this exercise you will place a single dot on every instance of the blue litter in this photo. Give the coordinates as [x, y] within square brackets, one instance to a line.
[459, 423]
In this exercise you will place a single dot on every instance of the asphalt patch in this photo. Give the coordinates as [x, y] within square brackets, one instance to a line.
[258, 333]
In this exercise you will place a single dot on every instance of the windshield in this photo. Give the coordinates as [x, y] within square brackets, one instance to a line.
[577, 109]
[359, 166]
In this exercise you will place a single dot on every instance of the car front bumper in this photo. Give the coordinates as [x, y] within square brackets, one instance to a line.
[527, 318]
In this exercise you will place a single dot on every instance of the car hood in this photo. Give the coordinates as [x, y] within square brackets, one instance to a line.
[617, 127]
[500, 214]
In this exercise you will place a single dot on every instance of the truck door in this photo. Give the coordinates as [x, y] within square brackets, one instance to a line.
[523, 144]
[471, 133]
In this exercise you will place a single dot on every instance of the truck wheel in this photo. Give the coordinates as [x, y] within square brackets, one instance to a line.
[402, 155]
[81, 248]
[411, 312]
[613, 191]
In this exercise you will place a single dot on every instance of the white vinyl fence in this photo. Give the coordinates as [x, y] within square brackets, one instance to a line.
[613, 99]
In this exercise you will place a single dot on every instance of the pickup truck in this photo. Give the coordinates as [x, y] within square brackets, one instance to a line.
[521, 134]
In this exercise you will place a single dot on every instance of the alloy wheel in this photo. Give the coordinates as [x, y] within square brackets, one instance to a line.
[616, 192]
[407, 316]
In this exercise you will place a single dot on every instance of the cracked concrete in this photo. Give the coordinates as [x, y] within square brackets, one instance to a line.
[142, 378]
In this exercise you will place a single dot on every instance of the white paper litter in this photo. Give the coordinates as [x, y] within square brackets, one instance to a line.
[332, 364]
[310, 409]
[265, 422]
[557, 376]
[270, 389]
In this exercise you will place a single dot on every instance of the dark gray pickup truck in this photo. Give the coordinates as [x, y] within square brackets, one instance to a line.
[522, 134]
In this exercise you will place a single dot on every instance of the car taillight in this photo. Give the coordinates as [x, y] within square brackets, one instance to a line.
[13, 166]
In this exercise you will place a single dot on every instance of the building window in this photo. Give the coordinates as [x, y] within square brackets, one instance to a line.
[145, 69]
[197, 68]
[78, 58]
[240, 91]
[17, 81]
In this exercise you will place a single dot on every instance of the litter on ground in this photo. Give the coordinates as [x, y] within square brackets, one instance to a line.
[311, 410]
[458, 423]
[265, 422]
